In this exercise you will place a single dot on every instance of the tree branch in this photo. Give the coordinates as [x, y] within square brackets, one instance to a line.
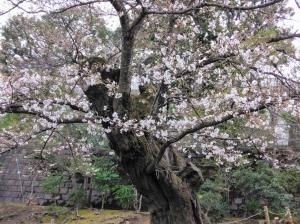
[15, 5]
[216, 5]
[46, 142]
[26, 140]
[297, 3]
[283, 37]
[198, 127]
[122, 105]
[18, 109]
[138, 20]
[75, 6]
[123, 16]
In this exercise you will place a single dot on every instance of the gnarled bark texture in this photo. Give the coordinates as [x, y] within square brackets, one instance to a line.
[169, 186]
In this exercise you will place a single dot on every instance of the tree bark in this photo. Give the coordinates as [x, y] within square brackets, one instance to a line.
[169, 192]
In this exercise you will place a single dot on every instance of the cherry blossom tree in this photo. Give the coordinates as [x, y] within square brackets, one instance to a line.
[158, 86]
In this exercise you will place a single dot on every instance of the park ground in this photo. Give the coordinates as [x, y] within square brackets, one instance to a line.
[16, 213]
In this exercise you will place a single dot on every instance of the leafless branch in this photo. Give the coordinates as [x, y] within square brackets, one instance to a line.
[27, 139]
[46, 142]
[69, 145]
[15, 5]
[79, 4]
[216, 5]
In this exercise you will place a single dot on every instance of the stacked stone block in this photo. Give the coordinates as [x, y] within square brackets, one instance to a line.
[24, 186]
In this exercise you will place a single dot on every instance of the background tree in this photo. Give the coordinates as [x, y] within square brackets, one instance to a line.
[198, 65]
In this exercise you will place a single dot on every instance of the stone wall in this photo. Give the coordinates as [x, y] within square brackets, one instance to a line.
[26, 185]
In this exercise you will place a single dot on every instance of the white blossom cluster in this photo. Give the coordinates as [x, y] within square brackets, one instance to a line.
[213, 71]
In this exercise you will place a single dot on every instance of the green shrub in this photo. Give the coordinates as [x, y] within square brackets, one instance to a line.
[290, 180]
[261, 182]
[51, 184]
[55, 210]
[124, 195]
[104, 173]
[77, 198]
[257, 184]
[214, 205]
[212, 197]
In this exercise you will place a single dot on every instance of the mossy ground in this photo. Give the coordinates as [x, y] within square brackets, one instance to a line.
[16, 213]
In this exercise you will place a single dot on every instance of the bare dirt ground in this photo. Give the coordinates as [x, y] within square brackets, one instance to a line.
[15, 213]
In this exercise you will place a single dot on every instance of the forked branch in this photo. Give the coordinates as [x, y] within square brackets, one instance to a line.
[198, 127]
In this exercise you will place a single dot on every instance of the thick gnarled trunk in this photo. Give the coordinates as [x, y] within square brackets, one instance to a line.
[174, 203]
[168, 192]
[170, 198]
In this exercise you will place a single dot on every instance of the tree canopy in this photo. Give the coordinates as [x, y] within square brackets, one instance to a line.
[162, 84]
